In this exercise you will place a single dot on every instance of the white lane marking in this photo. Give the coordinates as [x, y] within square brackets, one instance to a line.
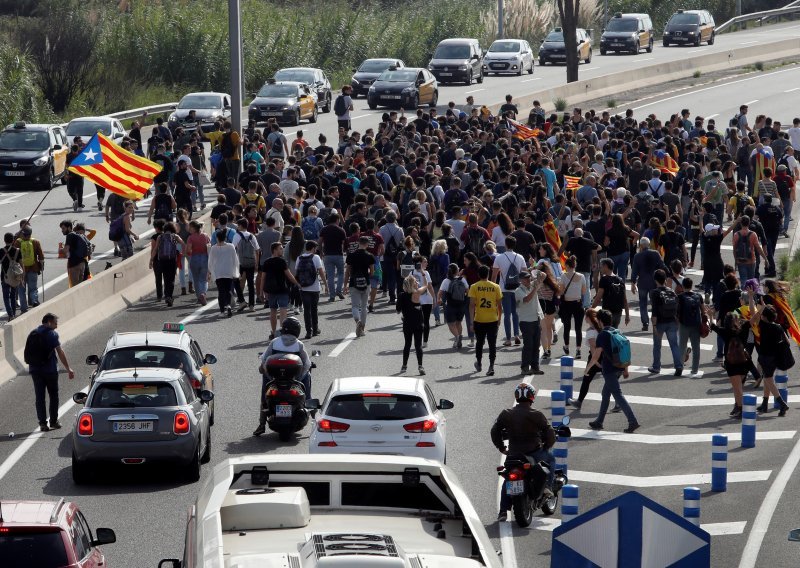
[762, 521]
[34, 436]
[714, 529]
[636, 369]
[748, 42]
[475, 91]
[578, 433]
[343, 345]
[196, 314]
[697, 50]
[710, 116]
[792, 90]
[646, 59]
[695, 91]
[506, 534]
[360, 116]
[589, 68]
[660, 401]
[751, 102]
[664, 480]
[15, 223]
[649, 340]
[531, 79]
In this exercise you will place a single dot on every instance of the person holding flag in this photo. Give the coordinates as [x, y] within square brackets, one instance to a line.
[761, 158]
[776, 294]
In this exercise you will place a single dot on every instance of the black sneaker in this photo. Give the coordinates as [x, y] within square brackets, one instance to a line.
[632, 428]
[317, 332]
[678, 372]
[595, 426]
[617, 408]
[645, 326]
[229, 311]
[341, 296]
[260, 430]
[55, 425]
[44, 427]
[555, 338]
[370, 308]
[490, 371]
[537, 371]
[478, 366]
[309, 335]
[421, 370]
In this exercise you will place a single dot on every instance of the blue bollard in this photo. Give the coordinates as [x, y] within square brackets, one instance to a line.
[567, 363]
[782, 382]
[558, 400]
[749, 421]
[691, 505]
[569, 502]
[719, 462]
[560, 453]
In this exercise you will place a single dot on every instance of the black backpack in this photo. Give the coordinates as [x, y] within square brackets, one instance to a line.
[339, 106]
[476, 238]
[163, 209]
[37, 352]
[666, 306]
[784, 189]
[771, 219]
[744, 249]
[614, 294]
[306, 271]
[226, 147]
[512, 276]
[277, 145]
[691, 309]
[391, 247]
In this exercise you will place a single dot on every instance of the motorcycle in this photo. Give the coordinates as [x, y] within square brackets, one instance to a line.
[285, 401]
[526, 480]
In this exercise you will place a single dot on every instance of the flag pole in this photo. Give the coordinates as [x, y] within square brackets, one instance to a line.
[28, 220]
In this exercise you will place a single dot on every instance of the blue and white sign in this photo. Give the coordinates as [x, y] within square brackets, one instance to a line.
[630, 531]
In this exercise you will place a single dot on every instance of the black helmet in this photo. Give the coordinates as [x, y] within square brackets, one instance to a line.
[291, 326]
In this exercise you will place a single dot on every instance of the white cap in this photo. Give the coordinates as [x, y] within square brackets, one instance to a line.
[712, 227]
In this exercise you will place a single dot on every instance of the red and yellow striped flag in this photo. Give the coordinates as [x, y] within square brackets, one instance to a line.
[664, 162]
[523, 132]
[572, 182]
[783, 308]
[106, 164]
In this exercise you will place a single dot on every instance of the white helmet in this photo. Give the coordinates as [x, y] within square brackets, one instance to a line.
[524, 391]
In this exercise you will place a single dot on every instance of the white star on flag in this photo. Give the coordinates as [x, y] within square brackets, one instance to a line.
[90, 155]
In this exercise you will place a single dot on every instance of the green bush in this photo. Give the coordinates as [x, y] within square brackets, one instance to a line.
[20, 98]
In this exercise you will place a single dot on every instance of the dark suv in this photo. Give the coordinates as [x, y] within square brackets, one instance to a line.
[33, 154]
[690, 27]
[628, 33]
[457, 60]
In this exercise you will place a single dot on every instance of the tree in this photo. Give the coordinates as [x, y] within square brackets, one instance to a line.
[568, 11]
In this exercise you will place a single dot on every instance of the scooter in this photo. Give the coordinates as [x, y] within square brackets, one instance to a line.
[526, 480]
[285, 401]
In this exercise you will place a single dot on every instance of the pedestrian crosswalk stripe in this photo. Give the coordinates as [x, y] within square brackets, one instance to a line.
[664, 480]
[714, 529]
[637, 369]
[658, 401]
[649, 341]
[581, 434]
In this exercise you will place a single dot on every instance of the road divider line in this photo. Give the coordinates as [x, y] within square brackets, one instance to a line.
[475, 91]
[792, 90]
[748, 42]
[531, 79]
[714, 529]
[636, 369]
[645, 59]
[664, 480]
[658, 401]
[751, 102]
[697, 51]
[196, 314]
[506, 533]
[580, 434]
[343, 345]
[360, 116]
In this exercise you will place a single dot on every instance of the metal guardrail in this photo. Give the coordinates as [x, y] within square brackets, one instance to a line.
[137, 112]
[760, 17]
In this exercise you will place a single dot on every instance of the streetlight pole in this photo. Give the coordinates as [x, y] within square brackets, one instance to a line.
[500, 19]
[235, 41]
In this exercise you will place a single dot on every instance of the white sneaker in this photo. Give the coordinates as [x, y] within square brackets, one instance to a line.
[471, 343]
[425, 345]
[74, 204]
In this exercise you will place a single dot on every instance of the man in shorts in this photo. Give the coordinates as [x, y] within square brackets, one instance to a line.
[277, 278]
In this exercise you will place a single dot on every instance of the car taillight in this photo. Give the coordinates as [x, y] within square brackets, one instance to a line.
[272, 392]
[514, 475]
[85, 425]
[327, 444]
[331, 426]
[420, 427]
[196, 384]
[181, 423]
[294, 392]
[426, 445]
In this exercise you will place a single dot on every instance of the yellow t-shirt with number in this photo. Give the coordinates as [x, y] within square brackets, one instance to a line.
[487, 296]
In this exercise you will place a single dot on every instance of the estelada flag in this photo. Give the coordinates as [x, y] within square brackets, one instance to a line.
[572, 182]
[783, 309]
[554, 239]
[764, 158]
[664, 162]
[523, 132]
[109, 166]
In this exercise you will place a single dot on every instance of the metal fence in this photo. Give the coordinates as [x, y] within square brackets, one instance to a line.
[760, 17]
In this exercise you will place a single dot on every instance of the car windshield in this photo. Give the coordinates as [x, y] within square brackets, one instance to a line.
[683, 19]
[398, 76]
[622, 25]
[200, 101]
[135, 357]
[452, 52]
[505, 47]
[88, 127]
[278, 91]
[376, 407]
[375, 66]
[136, 395]
[555, 37]
[24, 140]
[295, 75]
[40, 549]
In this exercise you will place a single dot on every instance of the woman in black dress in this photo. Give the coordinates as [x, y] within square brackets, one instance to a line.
[737, 361]
[772, 336]
[408, 305]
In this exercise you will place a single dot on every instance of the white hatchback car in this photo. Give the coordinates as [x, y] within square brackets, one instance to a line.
[88, 126]
[381, 415]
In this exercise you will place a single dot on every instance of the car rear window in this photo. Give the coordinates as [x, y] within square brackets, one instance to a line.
[40, 549]
[138, 357]
[134, 395]
[376, 407]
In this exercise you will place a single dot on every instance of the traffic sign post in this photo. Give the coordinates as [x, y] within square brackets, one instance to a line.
[567, 364]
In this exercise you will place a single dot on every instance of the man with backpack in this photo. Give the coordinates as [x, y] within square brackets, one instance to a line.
[784, 180]
[163, 205]
[32, 260]
[665, 321]
[248, 251]
[611, 293]
[342, 107]
[508, 266]
[474, 236]
[357, 276]
[691, 309]
[41, 349]
[77, 250]
[310, 275]
[164, 258]
[771, 218]
[276, 142]
[393, 237]
[311, 224]
[739, 201]
[745, 247]
[674, 244]
[613, 353]
[645, 264]
[277, 278]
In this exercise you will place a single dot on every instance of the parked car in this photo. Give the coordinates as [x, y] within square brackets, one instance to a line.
[508, 56]
[368, 71]
[627, 33]
[208, 108]
[553, 50]
[286, 101]
[34, 155]
[689, 27]
[88, 126]
[314, 78]
[47, 534]
[408, 87]
[457, 60]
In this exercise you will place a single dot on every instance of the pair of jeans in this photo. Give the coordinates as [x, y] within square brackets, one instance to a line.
[531, 340]
[46, 382]
[621, 264]
[224, 287]
[249, 275]
[198, 268]
[22, 297]
[31, 283]
[310, 311]
[539, 455]
[687, 334]
[746, 272]
[644, 312]
[787, 213]
[10, 299]
[182, 273]
[587, 296]
[772, 243]
[486, 331]
[572, 311]
[358, 303]
[510, 314]
[671, 331]
[334, 268]
[611, 388]
[390, 280]
[410, 333]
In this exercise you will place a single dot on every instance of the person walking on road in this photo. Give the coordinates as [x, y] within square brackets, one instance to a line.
[77, 250]
[164, 256]
[645, 264]
[342, 107]
[333, 240]
[665, 321]
[357, 276]
[572, 288]
[32, 260]
[197, 245]
[611, 293]
[453, 296]
[277, 278]
[507, 266]
[408, 305]
[486, 306]
[223, 262]
[8, 254]
[41, 350]
[310, 275]
[530, 314]
[603, 356]
[691, 309]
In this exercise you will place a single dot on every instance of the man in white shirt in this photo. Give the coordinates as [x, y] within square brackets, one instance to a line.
[344, 118]
[502, 265]
[289, 186]
[275, 213]
[310, 289]
[794, 133]
[243, 239]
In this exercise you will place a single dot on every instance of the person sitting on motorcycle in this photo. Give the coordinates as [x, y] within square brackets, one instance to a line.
[528, 432]
[286, 342]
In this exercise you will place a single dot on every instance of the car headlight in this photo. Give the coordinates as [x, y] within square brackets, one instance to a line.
[172, 118]
[408, 90]
[41, 160]
[430, 67]
[372, 89]
[355, 81]
[462, 67]
[691, 33]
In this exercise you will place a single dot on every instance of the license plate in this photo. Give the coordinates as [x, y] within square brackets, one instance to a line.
[15, 174]
[617, 44]
[515, 487]
[390, 97]
[283, 411]
[133, 426]
[558, 56]
[271, 113]
[446, 74]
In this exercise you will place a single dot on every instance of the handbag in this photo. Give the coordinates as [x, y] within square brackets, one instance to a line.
[784, 359]
[561, 303]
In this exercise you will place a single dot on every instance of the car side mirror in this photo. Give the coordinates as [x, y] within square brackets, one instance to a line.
[445, 404]
[80, 397]
[209, 359]
[794, 535]
[476, 56]
[104, 536]
[169, 563]
[174, 107]
[312, 404]
[227, 107]
[93, 360]
[206, 396]
[565, 421]
[355, 70]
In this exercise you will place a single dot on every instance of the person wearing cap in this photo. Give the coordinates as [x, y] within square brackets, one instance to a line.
[645, 263]
[530, 314]
[32, 260]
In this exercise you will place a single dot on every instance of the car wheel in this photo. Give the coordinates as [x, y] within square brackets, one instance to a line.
[327, 106]
[519, 73]
[296, 119]
[372, 104]
[480, 77]
[665, 43]
[542, 62]
[413, 103]
[698, 41]
[469, 79]
[650, 46]
[313, 118]
[602, 51]
[80, 472]
[211, 413]
[48, 185]
[192, 470]
[206, 457]
[711, 39]
[530, 69]
[435, 99]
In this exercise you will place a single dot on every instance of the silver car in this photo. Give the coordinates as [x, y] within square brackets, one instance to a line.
[137, 416]
[508, 56]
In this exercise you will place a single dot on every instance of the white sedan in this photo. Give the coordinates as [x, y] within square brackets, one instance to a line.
[381, 415]
[88, 126]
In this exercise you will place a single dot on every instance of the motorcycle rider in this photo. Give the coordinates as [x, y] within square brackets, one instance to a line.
[528, 432]
[286, 342]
